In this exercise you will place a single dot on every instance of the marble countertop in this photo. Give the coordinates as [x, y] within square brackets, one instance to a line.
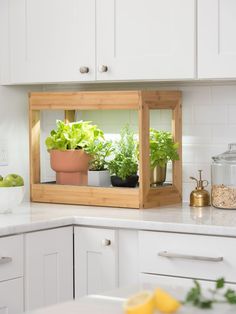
[175, 218]
[113, 303]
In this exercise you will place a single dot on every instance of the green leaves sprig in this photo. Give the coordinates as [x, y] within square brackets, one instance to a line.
[124, 162]
[196, 297]
[162, 148]
[76, 135]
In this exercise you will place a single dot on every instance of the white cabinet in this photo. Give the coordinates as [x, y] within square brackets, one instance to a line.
[186, 255]
[153, 39]
[48, 267]
[95, 260]
[54, 41]
[11, 275]
[51, 40]
[11, 296]
[216, 39]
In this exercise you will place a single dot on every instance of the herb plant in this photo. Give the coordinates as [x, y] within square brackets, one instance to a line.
[75, 135]
[100, 150]
[124, 163]
[162, 148]
[218, 295]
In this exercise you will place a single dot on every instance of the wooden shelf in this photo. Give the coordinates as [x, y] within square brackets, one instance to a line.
[142, 197]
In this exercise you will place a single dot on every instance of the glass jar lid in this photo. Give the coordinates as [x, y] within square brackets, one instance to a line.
[229, 156]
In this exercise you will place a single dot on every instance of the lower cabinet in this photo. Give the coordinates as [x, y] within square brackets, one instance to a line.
[187, 255]
[11, 296]
[96, 257]
[48, 267]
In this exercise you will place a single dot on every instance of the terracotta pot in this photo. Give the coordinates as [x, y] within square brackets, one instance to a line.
[129, 182]
[71, 166]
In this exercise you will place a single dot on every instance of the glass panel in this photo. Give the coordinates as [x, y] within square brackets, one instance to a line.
[161, 148]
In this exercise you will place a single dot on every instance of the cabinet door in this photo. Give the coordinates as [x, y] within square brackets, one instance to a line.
[11, 296]
[51, 40]
[95, 260]
[145, 39]
[48, 267]
[216, 39]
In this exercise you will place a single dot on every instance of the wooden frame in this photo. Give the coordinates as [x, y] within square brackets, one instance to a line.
[142, 197]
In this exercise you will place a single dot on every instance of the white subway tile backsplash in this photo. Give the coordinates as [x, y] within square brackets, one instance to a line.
[224, 134]
[196, 134]
[224, 95]
[194, 95]
[209, 114]
[232, 113]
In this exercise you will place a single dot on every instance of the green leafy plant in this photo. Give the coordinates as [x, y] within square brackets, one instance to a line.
[124, 163]
[162, 148]
[76, 135]
[218, 295]
[100, 150]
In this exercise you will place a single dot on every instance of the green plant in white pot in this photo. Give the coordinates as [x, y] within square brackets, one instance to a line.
[162, 150]
[69, 146]
[98, 174]
[124, 165]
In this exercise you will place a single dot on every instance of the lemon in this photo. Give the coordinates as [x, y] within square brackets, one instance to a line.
[141, 303]
[165, 303]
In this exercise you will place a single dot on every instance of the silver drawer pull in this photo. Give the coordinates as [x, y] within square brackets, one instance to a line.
[192, 257]
[5, 260]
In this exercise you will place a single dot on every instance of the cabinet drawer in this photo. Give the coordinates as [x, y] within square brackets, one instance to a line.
[185, 255]
[11, 296]
[11, 257]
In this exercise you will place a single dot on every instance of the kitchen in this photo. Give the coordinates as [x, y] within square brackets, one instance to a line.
[189, 48]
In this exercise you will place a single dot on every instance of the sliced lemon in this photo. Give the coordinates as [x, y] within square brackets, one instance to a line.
[165, 303]
[141, 303]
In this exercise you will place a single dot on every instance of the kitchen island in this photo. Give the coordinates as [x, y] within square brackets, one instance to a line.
[113, 303]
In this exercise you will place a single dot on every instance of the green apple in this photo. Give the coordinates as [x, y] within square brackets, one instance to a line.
[5, 184]
[14, 179]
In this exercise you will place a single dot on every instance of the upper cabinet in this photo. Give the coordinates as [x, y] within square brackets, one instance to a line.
[51, 41]
[216, 39]
[86, 40]
[145, 40]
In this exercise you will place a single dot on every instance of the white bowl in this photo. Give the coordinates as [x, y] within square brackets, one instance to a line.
[10, 197]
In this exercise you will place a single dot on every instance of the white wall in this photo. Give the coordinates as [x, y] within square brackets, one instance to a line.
[209, 123]
[14, 130]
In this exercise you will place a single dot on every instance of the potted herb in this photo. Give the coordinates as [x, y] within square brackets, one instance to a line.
[124, 166]
[162, 149]
[98, 174]
[68, 146]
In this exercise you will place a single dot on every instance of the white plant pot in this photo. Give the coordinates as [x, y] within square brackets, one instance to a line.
[99, 178]
[10, 198]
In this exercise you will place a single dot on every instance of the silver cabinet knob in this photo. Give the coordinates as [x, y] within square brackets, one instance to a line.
[103, 68]
[84, 70]
[106, 242]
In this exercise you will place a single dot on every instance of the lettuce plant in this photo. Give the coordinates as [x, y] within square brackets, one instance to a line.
[75, 135]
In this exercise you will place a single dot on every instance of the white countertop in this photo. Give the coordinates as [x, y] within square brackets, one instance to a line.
[178, 218]
[113, 303]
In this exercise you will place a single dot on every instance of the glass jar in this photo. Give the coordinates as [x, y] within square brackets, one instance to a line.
[223, 179]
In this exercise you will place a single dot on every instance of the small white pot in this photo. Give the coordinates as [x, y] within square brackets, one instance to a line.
[10, 197]
[99, 178]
